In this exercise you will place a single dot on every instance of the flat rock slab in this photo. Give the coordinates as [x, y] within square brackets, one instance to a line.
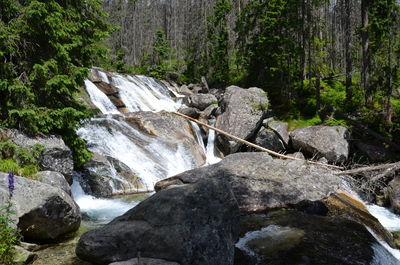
[261, 183]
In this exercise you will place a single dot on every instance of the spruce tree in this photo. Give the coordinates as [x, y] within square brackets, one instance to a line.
[46, 48]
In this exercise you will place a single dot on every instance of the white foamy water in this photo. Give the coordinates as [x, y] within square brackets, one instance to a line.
[141, 93]
[150, 158]
[101, 210]
[99, 99]
[388, 219]
[199, 136]
[210, 149]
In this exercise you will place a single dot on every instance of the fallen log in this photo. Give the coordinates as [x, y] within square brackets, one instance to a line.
[254, 145]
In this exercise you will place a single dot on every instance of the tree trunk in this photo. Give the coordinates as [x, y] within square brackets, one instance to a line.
[366, 53]
[348, 51]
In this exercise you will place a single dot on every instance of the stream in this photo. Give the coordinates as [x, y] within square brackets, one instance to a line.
[140, 93]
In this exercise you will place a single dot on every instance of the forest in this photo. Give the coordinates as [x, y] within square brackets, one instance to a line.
[310, 56]
[152, 125]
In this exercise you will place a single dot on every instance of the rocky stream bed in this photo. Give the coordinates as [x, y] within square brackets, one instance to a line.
[202, 197]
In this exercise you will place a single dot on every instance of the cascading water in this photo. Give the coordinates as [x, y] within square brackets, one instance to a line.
[149, 158]
[100, 210]
[210, 149]
[99, 99]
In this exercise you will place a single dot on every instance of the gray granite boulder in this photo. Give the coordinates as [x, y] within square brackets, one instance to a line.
[191, 225]
[56, 155]
[202, 101]
[43, 212]
[331, 142]
[243, 111]
[54, 179]
[269, 139]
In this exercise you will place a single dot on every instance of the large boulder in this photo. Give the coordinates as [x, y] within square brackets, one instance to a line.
[191, 224]
[243, 112]
[269, 139]
[105, 176]
[202, 101]
[144, 261]
[394, 194]
[56, 156]
[330, 142]
[261, 183]
[44, 212]
[291, 237]
[280, 128]
[54, 179]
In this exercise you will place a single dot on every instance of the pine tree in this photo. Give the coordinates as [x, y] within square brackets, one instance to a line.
[47, 47]
[219, 38]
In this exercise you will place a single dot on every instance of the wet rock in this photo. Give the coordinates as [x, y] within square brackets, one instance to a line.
[171, 128]
[291, 237]
[394, 194]
[117, 101]
[281, 129]
[56, 156]
[105, 176]
[107, 88]
[269, 139]
[54, 179]
[243, 112]
[396, 238]
[330, 142]
[44, 212]
[144, 261]
[190, 224]
[344, 205]
[202, 101]
[261, 183]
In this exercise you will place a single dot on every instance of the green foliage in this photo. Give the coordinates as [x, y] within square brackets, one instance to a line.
[267, 55]
[303, 122]
[47, 47]
[9, 236]
[219, 42]
[26, 170]
[23, 155]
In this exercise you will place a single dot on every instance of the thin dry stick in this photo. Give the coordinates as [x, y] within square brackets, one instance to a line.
[369, 168]
[254, 145]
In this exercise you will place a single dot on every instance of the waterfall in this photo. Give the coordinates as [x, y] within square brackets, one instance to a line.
[140, 93]
[101, 210]
[99, 99]
[150, 158]
[210, 149]
[199, 136]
